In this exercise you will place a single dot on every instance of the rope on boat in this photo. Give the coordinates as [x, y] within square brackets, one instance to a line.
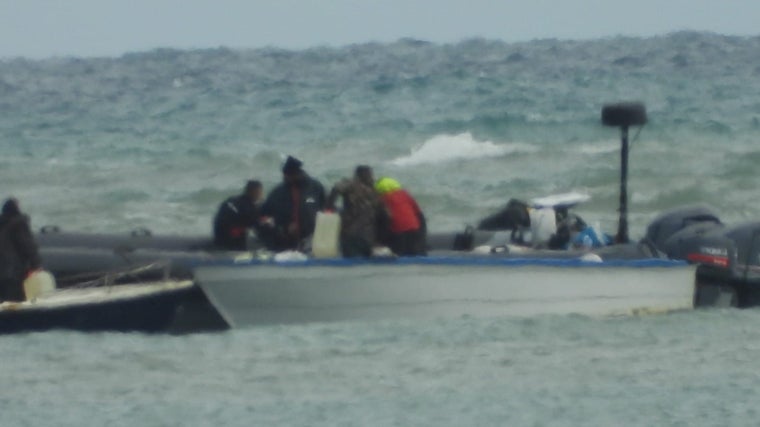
[114, 277]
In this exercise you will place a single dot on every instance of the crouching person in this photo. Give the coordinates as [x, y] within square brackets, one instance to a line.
[236, 215]
[407, 233]
[362, 212]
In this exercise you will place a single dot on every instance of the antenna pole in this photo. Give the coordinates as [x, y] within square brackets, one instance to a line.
[622, 233]
[624, 115]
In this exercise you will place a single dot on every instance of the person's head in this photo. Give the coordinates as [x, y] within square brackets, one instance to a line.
[10, 207]
[291, 170]
[254, 190]
[364, 174]
[386, 185]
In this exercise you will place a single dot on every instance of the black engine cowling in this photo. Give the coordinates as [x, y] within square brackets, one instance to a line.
[701, 243]
[671, 222]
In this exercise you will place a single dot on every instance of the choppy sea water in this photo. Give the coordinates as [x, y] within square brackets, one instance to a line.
[156, 139]
[682, 369]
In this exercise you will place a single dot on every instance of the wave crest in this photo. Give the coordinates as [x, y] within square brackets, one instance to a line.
[446, 148]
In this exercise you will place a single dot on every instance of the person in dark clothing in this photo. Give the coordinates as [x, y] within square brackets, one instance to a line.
[293, 205]
[361, 215]
[18, 251]
[514, 216]
[236, 215]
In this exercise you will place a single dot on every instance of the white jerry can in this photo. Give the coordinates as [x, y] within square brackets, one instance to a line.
[38, 283]
[543, 223]
[325, 243]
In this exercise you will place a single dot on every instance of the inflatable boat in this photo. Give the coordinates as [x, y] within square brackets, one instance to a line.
[500, 278]
[170, 306]
[518, 269]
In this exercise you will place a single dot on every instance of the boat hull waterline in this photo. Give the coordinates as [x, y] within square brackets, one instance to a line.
[310, 291]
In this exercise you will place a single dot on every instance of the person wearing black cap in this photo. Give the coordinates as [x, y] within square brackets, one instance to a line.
[293, 205]
[18, 251]
[236, 215]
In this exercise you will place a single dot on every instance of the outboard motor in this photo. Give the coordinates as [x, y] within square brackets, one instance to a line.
[746, 237]
[671, 222]
[745, 267]
[738, 275]
[729, 262]
[706, 243]
[701, 243]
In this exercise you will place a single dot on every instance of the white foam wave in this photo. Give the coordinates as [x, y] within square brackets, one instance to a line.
[445, 148]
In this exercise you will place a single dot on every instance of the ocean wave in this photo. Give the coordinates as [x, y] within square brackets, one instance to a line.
[446, 148]
[148, 130]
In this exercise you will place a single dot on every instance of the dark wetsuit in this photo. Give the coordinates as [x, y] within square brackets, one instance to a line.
[233, 218]
[298, 204]
[18, 256]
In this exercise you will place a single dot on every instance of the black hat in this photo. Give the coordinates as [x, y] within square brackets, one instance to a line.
[362, 170]
[291, 166]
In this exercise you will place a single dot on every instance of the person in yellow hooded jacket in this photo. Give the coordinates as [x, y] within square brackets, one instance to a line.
[407, 229]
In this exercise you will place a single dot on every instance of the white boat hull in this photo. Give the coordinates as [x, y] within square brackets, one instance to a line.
[297, 293]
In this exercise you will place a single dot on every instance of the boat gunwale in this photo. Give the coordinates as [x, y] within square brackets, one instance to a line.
[450, 261]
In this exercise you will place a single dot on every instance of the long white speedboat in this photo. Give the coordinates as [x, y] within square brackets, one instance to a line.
[259, 293]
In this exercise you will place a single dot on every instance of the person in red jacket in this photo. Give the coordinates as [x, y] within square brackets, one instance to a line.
[407, 228]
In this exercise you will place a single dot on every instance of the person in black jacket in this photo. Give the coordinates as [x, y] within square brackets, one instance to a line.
[236, 215]
[18, 251]
[293, 205]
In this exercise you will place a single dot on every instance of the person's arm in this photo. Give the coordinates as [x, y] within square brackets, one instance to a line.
[338, 189]
[26, 246]
[266, 207]
[255, 217]
[322, 198]
[382, 221]
[420, 216]
[415, 206]
[332, 198]
[250, 213]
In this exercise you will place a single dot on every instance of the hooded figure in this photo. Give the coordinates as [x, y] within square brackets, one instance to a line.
[293, 205]
[18, 251]
[407, 229]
